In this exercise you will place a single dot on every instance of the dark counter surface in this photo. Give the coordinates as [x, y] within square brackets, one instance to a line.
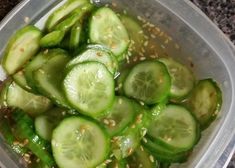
[221, 12]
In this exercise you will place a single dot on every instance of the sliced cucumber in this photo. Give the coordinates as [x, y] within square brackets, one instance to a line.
[175, 128]
[45, 123]
[76, 36]
[163, 154]
[49, 77]
[149, 82]
[142, 158]
[77, 15]
[37, 62]
[20, 79]
[96, 53]
[3, 93]
[63, 11]
[78, 142]
[205, 101]
[89, 87]
[119, 116]
[30, 103]
[9, 138]
[25, 131]
[21, 47]
[135, 33]
[107, 29]
[125, 143]
[52, 39]
[182, 79]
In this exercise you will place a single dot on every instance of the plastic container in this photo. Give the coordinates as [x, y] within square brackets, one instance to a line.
[198, 39]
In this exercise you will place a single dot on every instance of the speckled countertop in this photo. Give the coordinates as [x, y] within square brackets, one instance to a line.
[221, 12]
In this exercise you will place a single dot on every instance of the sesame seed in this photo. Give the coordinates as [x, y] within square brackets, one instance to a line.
[46, 51]
[139, 18]
[112, 123]
[146, 43]
[145, 140]
[129, 151]
[26, 19]
[177, 46]
[133, 126]
[124, 11]
[141, 148]
[108, 161]
[127, 166]
[41, 71]
[114, 4]
[106, 122]
[140, 165]
[153, 36]
[141, 103]
[151, 158]
[163, 46]
[141, 32]
[142, 58]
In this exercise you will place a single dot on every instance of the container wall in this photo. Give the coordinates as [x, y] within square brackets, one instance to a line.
[192, 43]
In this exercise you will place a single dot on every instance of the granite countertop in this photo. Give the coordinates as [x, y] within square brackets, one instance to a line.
[221, 12]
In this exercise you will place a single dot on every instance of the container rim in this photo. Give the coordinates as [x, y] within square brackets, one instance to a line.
[226, 49]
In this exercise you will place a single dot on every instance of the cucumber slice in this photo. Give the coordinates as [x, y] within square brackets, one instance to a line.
[77, 15]
[25, 131]
[20, 79]
[76, 36]
[163, 154]
[142, 158]
[175, 128]
[30, 103]
[52, 39]
[96, 53]
[48, 78]
[125, 143]
[89, 87]
[9, 138]
[78, 142]
[63, 11]
[135, 33]
[119, 116]
[182, 79]
[107, 29]
[3, 93]
[45, 123]
[205, 102]
[20, 48]
[37, 62]
[149, 82]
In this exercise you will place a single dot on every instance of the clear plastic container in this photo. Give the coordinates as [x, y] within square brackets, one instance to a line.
[197, 38]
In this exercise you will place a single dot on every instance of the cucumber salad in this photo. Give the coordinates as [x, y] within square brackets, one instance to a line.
[73, 99]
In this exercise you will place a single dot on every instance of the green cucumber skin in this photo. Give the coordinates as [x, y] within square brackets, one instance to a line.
[213, 116]
[70, 6]
[168, 146]
[11, 43]
[85, 118]
[52, 39]
[20, 79]
[24, 129]
[78, 15]
[5, 129]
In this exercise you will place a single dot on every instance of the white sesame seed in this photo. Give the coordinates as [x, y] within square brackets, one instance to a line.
[142, 58]
[26, 19]
[151, 158]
